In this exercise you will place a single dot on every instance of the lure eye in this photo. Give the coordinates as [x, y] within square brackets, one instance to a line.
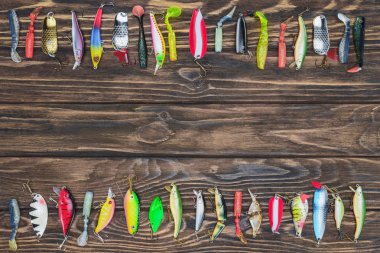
[131, 196]
[110, 202]
[66, 195]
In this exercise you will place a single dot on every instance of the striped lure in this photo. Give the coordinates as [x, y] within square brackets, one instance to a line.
[275, 209]
[300, 209]
[14, 214]
[159, 46]
[14, 26]
[198, 37]
[320, 208]
[221, 212]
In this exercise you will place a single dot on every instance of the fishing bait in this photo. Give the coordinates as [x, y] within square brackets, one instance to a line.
[29, 41]
[156, 214]
[262, 46]
[138, 12]
[275, 209]
[320, 208]
[120, 37]
[359, 206]
[49, 35]
[241, 35]
[321, 40]
[172, 12]
[344, 45]
[300, 47]
[158, 43]
[219, 30]
[254, 214]
[300, 208]
[132, 209]
[237, 213]
[175, 205]
[87, 206]
[221, 213]
[281, 44]
[77, 40]
[338, 213]
[106, 213]
[14, 26]
[14, 214]
[198, 38]
[199, 210]
[358, 33]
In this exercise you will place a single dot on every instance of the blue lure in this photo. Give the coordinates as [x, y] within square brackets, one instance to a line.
[320, 208]
[14, 27]
[14, 214]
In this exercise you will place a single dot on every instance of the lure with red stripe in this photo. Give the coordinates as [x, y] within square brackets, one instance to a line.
[275, 208]
[197, 35]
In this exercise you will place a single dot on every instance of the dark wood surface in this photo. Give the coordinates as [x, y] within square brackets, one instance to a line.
[271, 131]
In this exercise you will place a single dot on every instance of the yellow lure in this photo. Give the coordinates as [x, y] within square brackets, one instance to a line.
[132, 209]
[106, 212]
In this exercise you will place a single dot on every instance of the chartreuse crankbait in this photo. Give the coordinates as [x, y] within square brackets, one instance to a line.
[138, 12]
[199, 210]
[275, 209]
[221, 213]
[158, 41]
[262, 46]
[358, 33]
[338, 212]
[359, 206]
[300, 208]
[238, 203]
[14, 27]
[77, 40]
[282, 45]
[198, 38]
[87, 206]
[106, 213]
[156, 214]
[132, 209]
[172, 12]
[175, 206]
[300, 47]
[320, 208]
[219, 30]
[14, 215]
[254, 214]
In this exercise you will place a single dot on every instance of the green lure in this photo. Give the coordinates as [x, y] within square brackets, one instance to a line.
[172, 12]
[156, 214]
[262, 46]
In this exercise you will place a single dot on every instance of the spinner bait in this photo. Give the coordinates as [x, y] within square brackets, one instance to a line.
[219, 30]
[87, 206]
[237, 213]
[14, 27]
[14, 214]
[77, 40]
[172, 12]
[138, 12]
[338, 212]
[300, 208]
[132, 209]
[49, 35]
[199, 210]
[262, 46]
[300, 47]
[106, 213]
[358, 33]
[281, 44]
[221, 213]
[359, 206]
[120, 37]
[156, 214]
[275, 209]
[241, 35]
[175, 206]
[158, 43]
[254, 214]
[321, 40]
[344, 45]
[29, 41]
[198, 38]
[320, 208]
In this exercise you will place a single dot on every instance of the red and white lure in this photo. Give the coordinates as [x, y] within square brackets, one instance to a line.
[198, 38]
[275, 208]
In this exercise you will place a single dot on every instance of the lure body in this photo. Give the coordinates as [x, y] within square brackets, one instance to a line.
[39, 214]
[219, 30]
[358, 33]
[87, 206]
[262, 46]
[175, 208]
[158, 43]
[197, 35]
[106, 212]
[199, 210]
[14, 214]
[173, 11]
[49, 35]
[77, 40]
[120, 38]
[221, 213]
[132, 210]
[300, 210]
[320, 207]
[96, 46]
[321, 40]
[300, 48]
[344, 45]
[14, 27]
[359, 206]
[156, 214]
[65, 209]
[275, 208]
[254, 214]
[138, 12]
[29, 41]
[241, 35]
[338, 213]
[237, 213]
[281, 45]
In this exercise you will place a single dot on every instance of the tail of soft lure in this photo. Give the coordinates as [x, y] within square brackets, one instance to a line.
[87, 206]
[198, 37]
[159, 46]
[172, 12]
[14, 27]
[14, 214]
[358, 33]
[344, 45]
[262, 46]
[219, 30]
[120, 38]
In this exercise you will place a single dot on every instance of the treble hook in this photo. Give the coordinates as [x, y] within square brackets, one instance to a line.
[26, 187]
[301, 13]
[201, 67]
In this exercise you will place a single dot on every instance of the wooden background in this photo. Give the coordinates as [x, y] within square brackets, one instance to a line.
[270, 131]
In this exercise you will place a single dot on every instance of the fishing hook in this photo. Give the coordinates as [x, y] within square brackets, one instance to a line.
[324, 64]
[201, 67]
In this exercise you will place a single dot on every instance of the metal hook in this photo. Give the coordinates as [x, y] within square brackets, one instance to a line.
[324, 64]
[26, 187]
[201, 67]
[307, 9]
[288, 20]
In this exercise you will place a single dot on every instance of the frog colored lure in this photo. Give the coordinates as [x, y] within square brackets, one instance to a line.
[282, 45]
[221, 213]
[344, 45]
[14, 215]
[359, 206]
[321, 39]
[87, 206]
[300, 208]
[175, 207]
[138, 12]
[14, 27]
[254, 214]
[238, 203]
[262, 46]
[156, 214]
[29, 41]
[77, 40]
[275, 209]
[338, 212]
[106, 213]
[300, 47]
[132, 209]
[219, 30]
[172, 12]
[320, 208]
[198, 38]
[199, 210]
[158, 41]
[120, 38]
[358, 33]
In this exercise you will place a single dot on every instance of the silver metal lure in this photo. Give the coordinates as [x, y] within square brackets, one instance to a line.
[241, 35]
[14, 27]
[87, 206]
[344, 45]
[321, 41]
[200, 210]
[219, 30]
[120, 38]
[77, 40]
[14, 214]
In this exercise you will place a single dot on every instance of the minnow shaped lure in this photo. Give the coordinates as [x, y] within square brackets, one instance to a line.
[344, 45]
[87, 206]
[14, 215]
[49, 35]
[29, 41]
[262, 46]
[254, 214]
[158, 43]
[221, 213]
[132, 209]
[358, 33]
[338, 213]
[120, 38]
[138, 12]
[172, 12]
[77, 40]
[275, 209]
[241, 35]
[14, 27]
[320, 208]
[300, 208]
[106, 213]
[156, 214]
[199, 210]
[219, 30]
[359, 206]
[281, 44]
[237, 213]
[198, 38]
[300, 47]
[175, 205]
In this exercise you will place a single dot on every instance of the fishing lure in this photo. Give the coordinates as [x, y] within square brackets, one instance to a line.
[29, 41]
[120, 37]
[300, 208]
[198, 38]
[338, 213]
[156, 214]
[275, 209]
[175, 207]
[237, 213]
[221, 213]
[358, 33]
[344, 45]
[138, 12]
[14, 214]
[321, 40]
[77, 40]
[14, 26]
[199, 210]
[359, 206]
[132, 209]
[158, 43]
[106, 213]
[172, 12]
[262, 46]
[219, 30]
[300, 47]
[49, 35]
[281, 44]
[254, 214]
[241, 35]
[320, 208]
[87, 206]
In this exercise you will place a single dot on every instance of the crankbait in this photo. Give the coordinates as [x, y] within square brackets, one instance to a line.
[300, 47]
[175, 207]
[14, 26]
[358, 33]
[320, 208]
[199, 210]
[282, 45]
[300, 208]
[77, 40]
[359, 206]
[120, 37]
[14, 214]
[275, 209]
[221, 213]
[49, 35]
[29, 42]
[262, 46]
[338, 212]
[241, 35]
[138, 12]
[172, 12]
[156, 214]
[87, 206]
[219, 30]
[344, 45]
[158, 42]
[198, 38]
[321, 40]
[132, 209]
[254, 214]
[106, 213]
[237, 213]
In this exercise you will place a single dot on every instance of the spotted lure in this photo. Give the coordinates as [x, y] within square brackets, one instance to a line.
[199, 210]
[120, 38]
[77, 40]
[172, 12]
[275, 209]
[198, 38]
[358, 33]
[132, 209]
[321, 40]
[300, 208]
[320, 208]
[175, 206]
[344, 45]
[106, 213]
[49, 35]
[158, 41]
[221, 213]
[87, 206]
[14, 215]
[14, 26]
[254, 214]
[156, 214]
[359, 206]
[219, 30]
[262, 46]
